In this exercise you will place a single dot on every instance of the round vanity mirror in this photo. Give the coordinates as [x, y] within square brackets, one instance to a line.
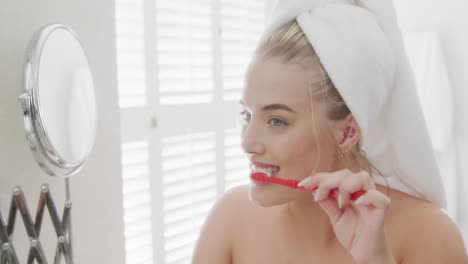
[59, 107]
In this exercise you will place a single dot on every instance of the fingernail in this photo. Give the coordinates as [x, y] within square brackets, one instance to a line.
[359, 200]
[316, 195]
[304, 181]
[340, 201]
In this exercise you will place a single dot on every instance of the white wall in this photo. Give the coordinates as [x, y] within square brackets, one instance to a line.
[449, 19]
[96, 190]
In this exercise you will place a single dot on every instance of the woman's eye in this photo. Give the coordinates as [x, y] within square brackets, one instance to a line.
[278, 122]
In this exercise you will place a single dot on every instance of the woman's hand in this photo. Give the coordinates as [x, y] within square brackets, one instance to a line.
[358, 225]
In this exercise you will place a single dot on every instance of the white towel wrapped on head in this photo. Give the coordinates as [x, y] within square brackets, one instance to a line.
[361, 48]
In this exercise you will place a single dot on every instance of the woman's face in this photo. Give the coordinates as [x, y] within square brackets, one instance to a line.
[278, 129]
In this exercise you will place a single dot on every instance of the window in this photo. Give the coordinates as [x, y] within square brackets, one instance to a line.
[181, 65]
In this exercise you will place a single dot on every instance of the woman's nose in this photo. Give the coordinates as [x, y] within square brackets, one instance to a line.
[252, 140]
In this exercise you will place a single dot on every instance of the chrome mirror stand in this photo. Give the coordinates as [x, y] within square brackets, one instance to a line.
[62, 228]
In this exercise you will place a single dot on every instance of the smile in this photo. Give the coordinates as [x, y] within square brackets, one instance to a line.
[270, 171]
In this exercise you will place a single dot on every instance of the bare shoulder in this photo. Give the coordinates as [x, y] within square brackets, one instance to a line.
[424, 232]
[232, 204]
[218, 233]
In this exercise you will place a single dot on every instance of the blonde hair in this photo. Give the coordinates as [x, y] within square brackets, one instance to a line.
[290, 44]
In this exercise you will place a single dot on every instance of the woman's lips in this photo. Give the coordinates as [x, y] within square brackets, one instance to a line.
[270, 170]
[262, 165]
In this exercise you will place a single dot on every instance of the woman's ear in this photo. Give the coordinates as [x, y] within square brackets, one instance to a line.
[347, 133]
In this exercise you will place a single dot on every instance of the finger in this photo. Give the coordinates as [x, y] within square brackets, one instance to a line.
[373, 199]
[312, 182]
[330, 206]
[329, 181]
[309, 183]
[354, 183]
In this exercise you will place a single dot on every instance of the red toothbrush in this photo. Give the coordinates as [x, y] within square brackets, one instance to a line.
[262, 177]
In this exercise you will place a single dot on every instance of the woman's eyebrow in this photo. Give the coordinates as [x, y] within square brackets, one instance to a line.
[272, 107]
[278, 107]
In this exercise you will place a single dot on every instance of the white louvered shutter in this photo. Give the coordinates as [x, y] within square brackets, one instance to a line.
[130, 53]
[181, 142]
[185, 51]
[137, 202]
[185, 48]
[242, 22]
[131, 68]
[189, 180]
[236, 164]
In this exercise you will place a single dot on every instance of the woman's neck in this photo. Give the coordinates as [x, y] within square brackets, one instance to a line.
[306, 219]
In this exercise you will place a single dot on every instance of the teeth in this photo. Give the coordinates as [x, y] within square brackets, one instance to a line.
[268, 171]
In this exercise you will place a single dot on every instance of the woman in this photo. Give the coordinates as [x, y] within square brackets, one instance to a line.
[328, 101]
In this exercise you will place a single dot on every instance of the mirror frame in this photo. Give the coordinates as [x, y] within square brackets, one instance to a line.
[46, 155]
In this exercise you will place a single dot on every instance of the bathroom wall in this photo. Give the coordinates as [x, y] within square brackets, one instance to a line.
[449, 19]
[96, 190]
